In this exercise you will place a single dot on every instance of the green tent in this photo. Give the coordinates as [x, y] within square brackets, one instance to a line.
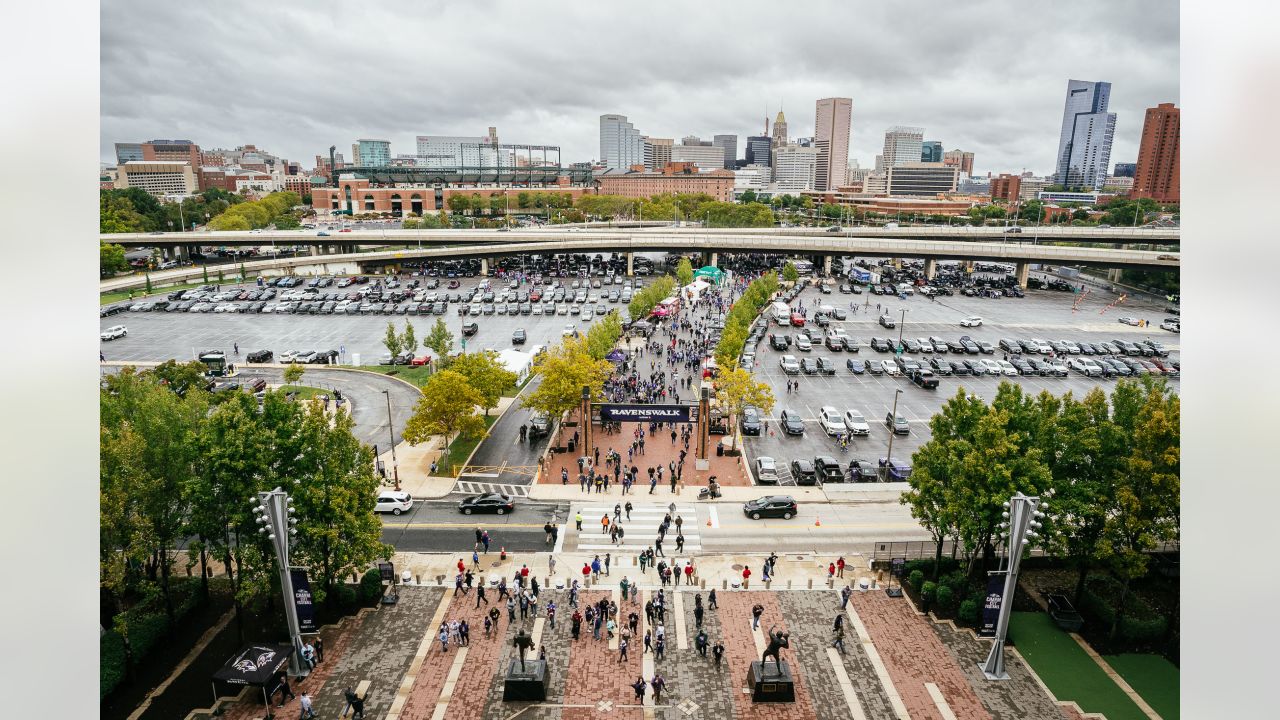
[711, 273]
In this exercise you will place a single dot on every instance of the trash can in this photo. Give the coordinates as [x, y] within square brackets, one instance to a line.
[572, 446]
[720, 449]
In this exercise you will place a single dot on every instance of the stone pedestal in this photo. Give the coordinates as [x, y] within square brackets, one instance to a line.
[527, 684]
[771, 683]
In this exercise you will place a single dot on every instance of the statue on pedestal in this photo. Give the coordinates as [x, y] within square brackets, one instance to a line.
[522, 643]
[777, 641]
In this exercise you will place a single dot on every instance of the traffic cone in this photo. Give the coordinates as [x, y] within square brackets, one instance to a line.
[817, 522]
[503, 555]
[708, 522]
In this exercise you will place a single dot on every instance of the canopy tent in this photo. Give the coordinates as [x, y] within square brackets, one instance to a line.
[694, 290]
[616, 356]
[517, 362]
[256, 665]
[710, 272]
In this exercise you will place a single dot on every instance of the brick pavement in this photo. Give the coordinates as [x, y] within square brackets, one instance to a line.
[740, 651]
[914, 656]
[1018, 697]
[594, 673]
[694, 678]
[811, 616]
[556, 642]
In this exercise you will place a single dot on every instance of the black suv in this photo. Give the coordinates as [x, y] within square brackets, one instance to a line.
[518, 337]
[750, 421]
[778, 341]
[803, 472]
[260, 356]
[470, 329]
[828, 470]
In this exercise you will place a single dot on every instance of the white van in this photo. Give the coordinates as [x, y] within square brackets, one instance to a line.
[781, 313]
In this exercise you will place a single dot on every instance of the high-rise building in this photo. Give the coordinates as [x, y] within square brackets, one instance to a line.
[779, 130]
[730, 145]
[1125, 169]
[373, 153]
[931, 151]
[1006, 187]
[126, 152]
[657, 152]
[706, 156]
[832, 119]
[758, 150]
[922, 179]
[959, 158]
[162, 178]
[1156, 175]
[355, 154]
[795, 168]
[1084, 145]
[902, 145]
[621, 144]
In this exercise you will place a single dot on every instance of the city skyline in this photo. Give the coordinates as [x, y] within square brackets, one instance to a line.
[971, 94]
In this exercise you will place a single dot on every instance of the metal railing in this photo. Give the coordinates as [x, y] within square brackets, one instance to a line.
[927, 549]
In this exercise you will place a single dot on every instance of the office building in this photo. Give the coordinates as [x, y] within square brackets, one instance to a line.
[902, 146]
[758, 150]
[779, 130]
[674, 178]
[794, 168]
[1084, 145]
[372, 153]
[128, 152]
[1030, 187]
[172, 150]
[875, 184]
[657, 152]
[161, 178]
[706, 156]
[1125, 169]
[959, 158]
[1006, 187]
[621, 144]
[1156, 175]
[931, 151]
[751, 177]
[833, 117]
[922, 179]
[730, 145]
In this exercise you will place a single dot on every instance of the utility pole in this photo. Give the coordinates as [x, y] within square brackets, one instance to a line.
[273, 511]
[1021, 519]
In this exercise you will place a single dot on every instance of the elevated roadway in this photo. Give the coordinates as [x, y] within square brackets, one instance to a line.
[1020, 252]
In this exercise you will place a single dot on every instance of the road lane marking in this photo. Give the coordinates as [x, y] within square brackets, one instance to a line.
[714, 516]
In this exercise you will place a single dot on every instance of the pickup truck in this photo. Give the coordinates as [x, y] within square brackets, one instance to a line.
[924, 378]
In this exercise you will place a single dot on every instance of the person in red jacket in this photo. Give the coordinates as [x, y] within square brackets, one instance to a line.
[840, 566]
[746, 576]
[831, 570]
[462, 567]
[586, 572]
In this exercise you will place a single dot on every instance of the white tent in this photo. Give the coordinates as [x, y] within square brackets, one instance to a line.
[516, 362]
[694, 290]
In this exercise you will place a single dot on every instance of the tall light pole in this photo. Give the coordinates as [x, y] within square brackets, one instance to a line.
[884, 472]
[391, 435]
[1021, 519]
[901, 323]
[273, 512]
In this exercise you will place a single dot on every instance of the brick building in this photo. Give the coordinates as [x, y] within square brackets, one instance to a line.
[674, 178]
[1156, 175]
[1006, 187]
[359, 196]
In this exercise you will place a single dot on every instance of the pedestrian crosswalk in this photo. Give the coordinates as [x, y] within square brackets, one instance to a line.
[642, 529]
[477, 488]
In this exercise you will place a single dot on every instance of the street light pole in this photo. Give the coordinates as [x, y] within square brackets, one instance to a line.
[1021, 518]
[901, 323]
[395, 464]
[273, 511]
[889, 457]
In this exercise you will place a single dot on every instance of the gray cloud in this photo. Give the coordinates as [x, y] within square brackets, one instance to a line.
[986, 76]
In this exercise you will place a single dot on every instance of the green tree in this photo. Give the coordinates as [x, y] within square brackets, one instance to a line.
[111, 259]
[446, 408]
[181, 378]
[459, 203]
[486, 374]
[603, 335]
[644, 301]
[684, 272]
[409, 340]
[392, 340]
[790, 273]
[293, 373]
[147, 286]
[565, 369]
[523, 200]
[748, 197]
[440, 340]
[738, 389]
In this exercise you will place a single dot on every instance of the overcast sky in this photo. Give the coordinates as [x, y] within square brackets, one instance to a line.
[988, 76]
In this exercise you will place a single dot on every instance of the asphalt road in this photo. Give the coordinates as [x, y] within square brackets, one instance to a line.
[437, 526]
[501, 458]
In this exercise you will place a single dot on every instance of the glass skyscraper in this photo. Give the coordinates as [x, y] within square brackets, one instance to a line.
[1084, 147]
[931, 151]
[621, 144]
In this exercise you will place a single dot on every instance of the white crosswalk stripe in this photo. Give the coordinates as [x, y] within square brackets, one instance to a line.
[641, 529]
[477, 488]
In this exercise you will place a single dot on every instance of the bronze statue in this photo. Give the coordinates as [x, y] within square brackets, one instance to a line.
[777, 641]
[522, 643]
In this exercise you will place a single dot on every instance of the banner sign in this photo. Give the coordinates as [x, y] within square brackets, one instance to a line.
[387, 571]
[618, 412]
[898, 566]
[991, 606]
[302, 600]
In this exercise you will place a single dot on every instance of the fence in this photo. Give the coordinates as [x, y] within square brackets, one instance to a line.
[918, 549]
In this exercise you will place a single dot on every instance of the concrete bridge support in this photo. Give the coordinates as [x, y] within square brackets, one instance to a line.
[930, 268]
[631, 264]
[826, 265]
[1024, 271]
[715, 259]
[314, 250]
[484, 267]
[1113, 275]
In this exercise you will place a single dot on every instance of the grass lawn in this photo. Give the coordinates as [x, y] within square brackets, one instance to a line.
[111, 297]
[1067, 669]
[1153, 677]
[461, 449]
[415, 375]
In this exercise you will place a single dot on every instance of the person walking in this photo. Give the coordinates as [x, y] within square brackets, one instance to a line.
[718, 652]
[639, 686]
[756, 611]
[484, 540]
[845, 593]
[679, 543]
[304, 704]
[622, 649]
[838, 634]
[319, 646]
[577, 519]
[659, 684]
[840, 566]
[711, 600]
[700, 641]
[480, 595]
[608, 558]
[627, 509]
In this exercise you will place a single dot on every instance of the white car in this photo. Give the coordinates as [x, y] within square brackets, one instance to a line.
[1085, 367]
[113, 332]
[993, 367]
[856, 423]
[289, 356]
[789, 364]
[394, 502]
[1042, 346]
[1007, 368]
[802, 343]
[1131, 321]
[971, 321]
[587, 315]
[569, 330]
[766, 470]
[890, 367]
[831, 420]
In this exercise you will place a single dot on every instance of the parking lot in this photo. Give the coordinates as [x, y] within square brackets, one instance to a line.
[1045, 314]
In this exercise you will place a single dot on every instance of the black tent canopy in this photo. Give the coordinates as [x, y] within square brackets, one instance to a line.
[255, 665]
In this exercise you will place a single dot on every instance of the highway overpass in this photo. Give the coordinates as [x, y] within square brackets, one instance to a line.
[709, 243]
[409, 238]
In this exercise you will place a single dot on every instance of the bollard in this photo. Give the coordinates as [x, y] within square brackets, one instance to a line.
[417, 579]
[768, 584]
[831, 583]
[810, 583]
[440, 580]
[702, 583]
[724, 585]
[788, 584]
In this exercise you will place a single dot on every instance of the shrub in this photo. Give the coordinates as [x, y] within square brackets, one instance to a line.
[957, 580]
[928, 590]
[346, 596]
[916, 578]
[968, 612]
[946, 597]
[1140, 624]
[925, 565]
[370, 586]
[111, 661]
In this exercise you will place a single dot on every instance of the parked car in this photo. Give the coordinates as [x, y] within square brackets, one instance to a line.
[894, 470]
[886, 320]
[791, 422]
[393, 501]
[495, 503]
[113, 332]
[519, 337]
[857, 366]
[749, 421]
[766, 470]
[803, 472]
[856, 423]
[259, 356]
[831, 420]
[469, 329]
[971, 321]
[827, 469]
[924, 379]
[789, 364]
[771, 506]
[897, 423]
